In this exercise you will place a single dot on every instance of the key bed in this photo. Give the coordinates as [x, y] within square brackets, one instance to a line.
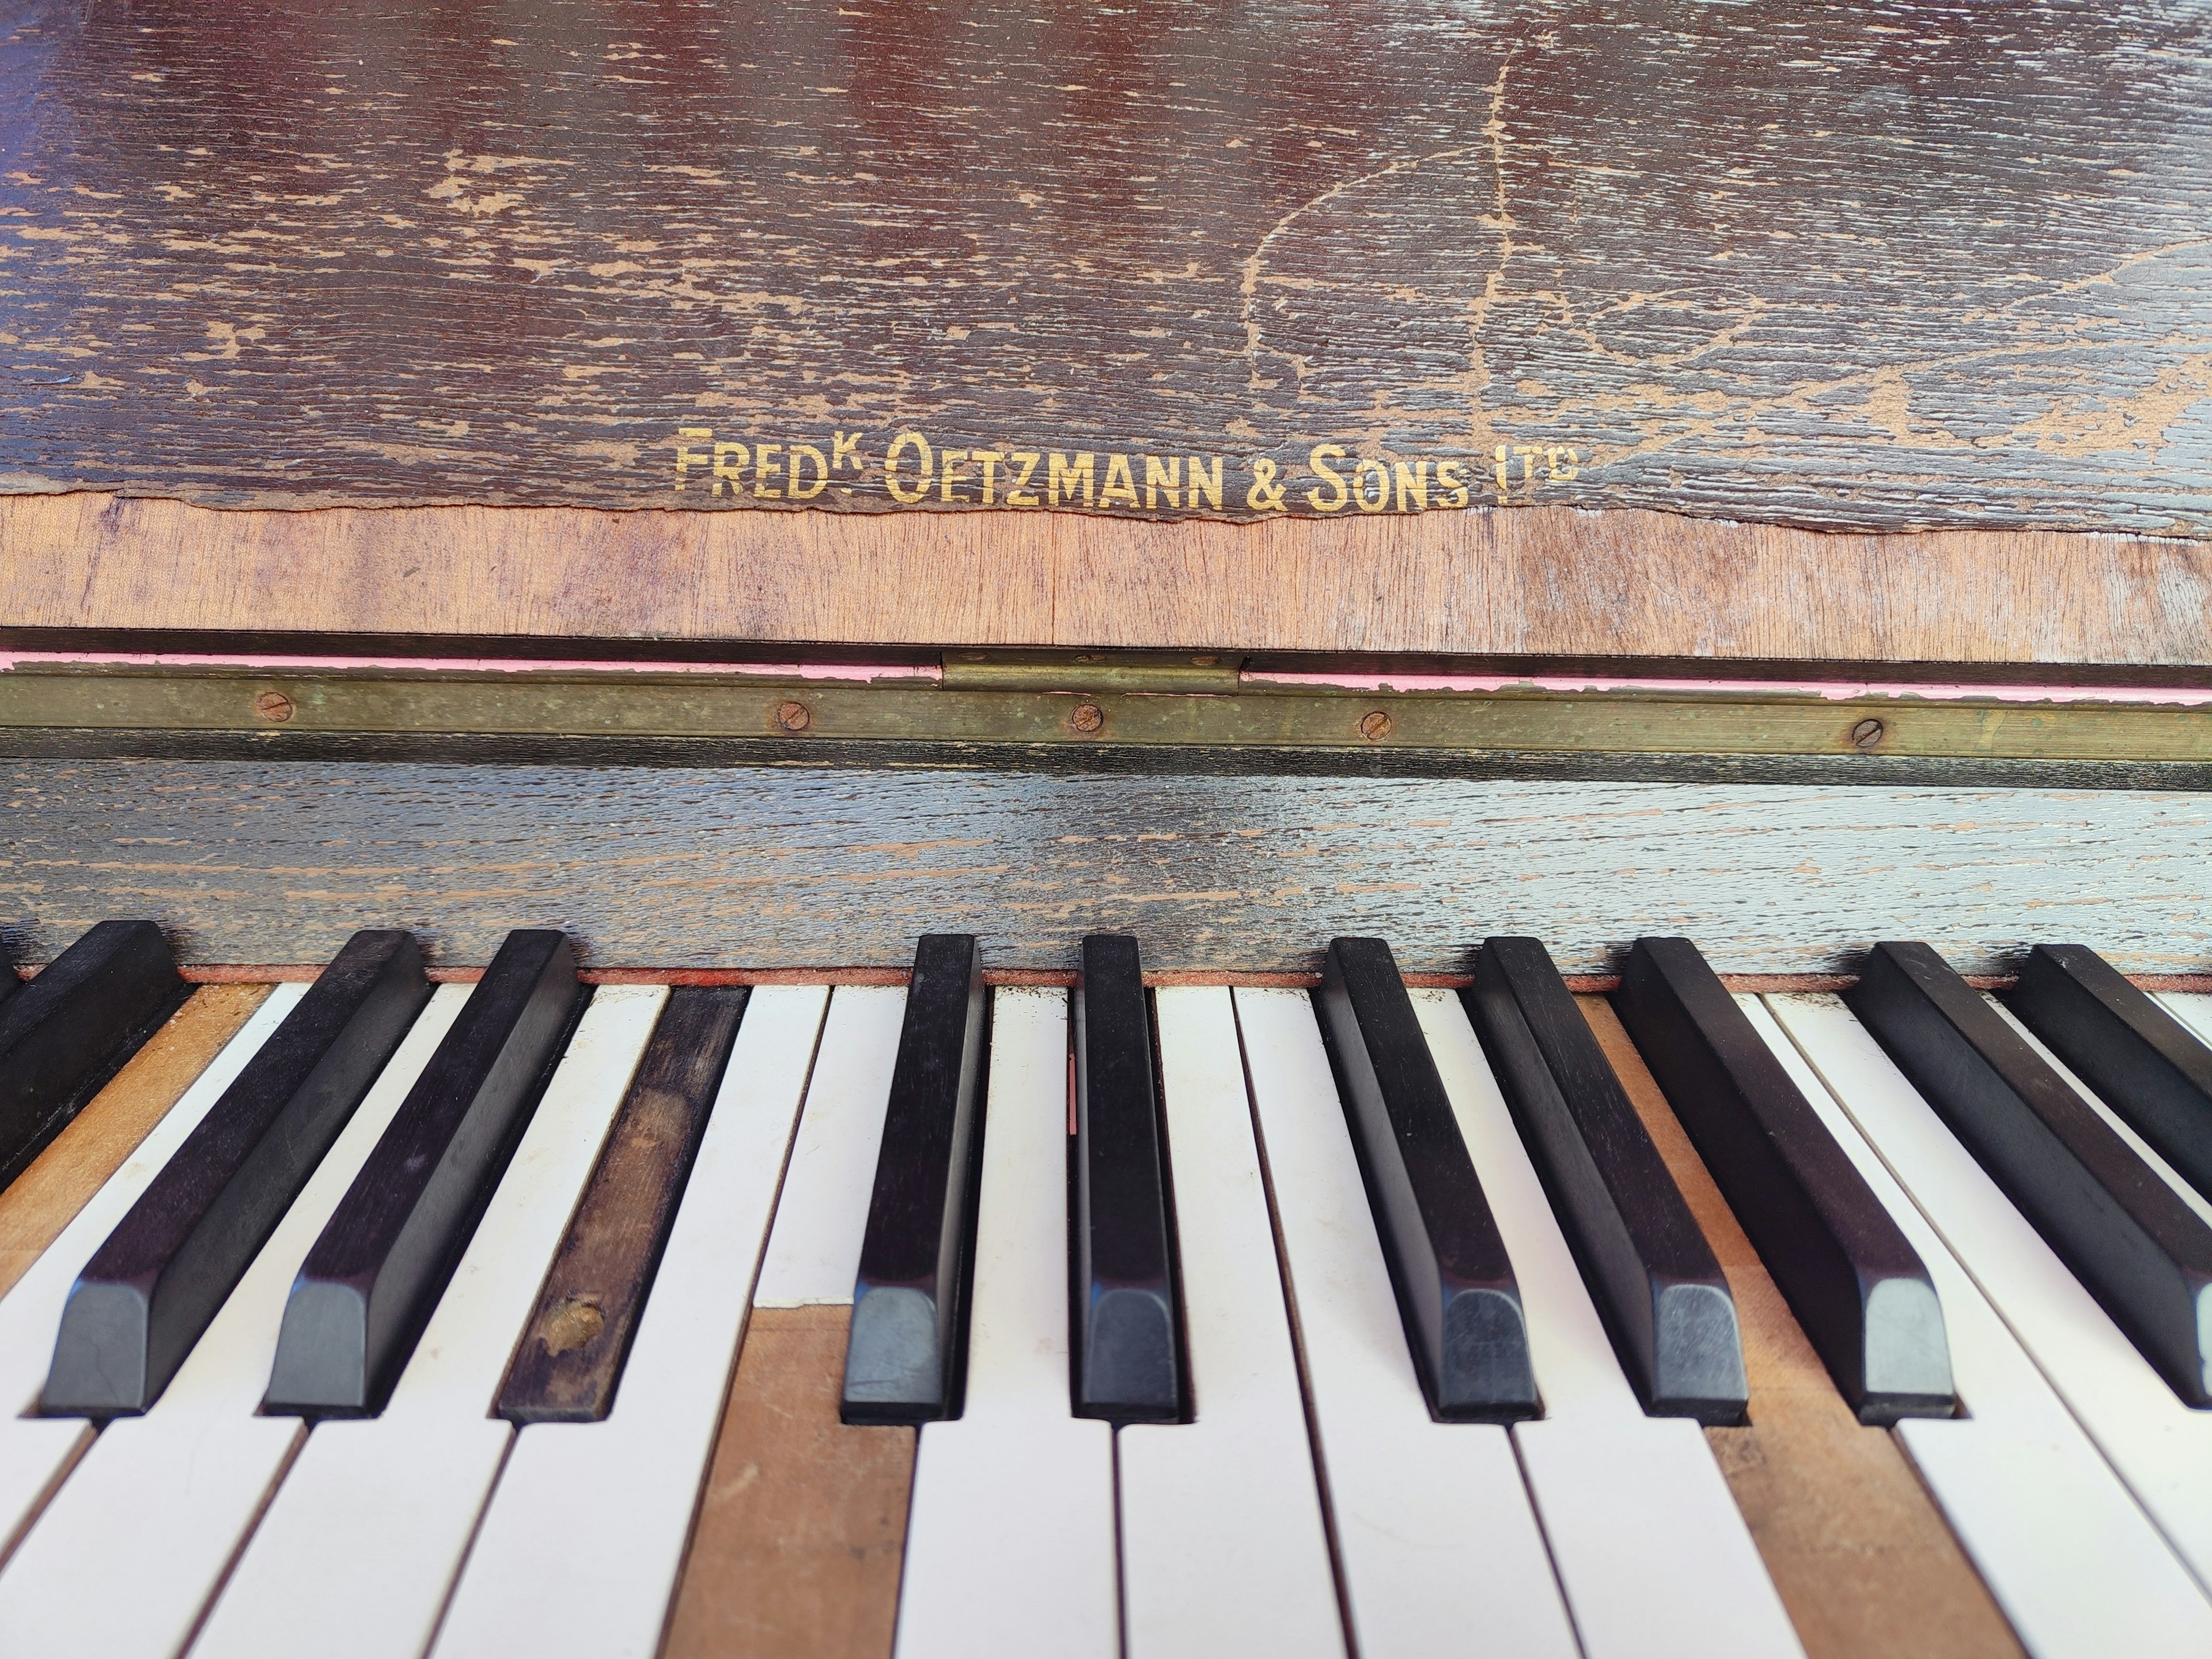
[625, 1423]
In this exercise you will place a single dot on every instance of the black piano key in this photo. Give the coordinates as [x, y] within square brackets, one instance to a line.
[1456, 1294]
[2147, 1065]
[1649, 1270]
[903, 1358]
[2128, 1237]
[69, 1030]
[570, 1360]
[9, 983]
[1128, 1325]
[371, 1279]
[149, 1292]
[1858, 1288]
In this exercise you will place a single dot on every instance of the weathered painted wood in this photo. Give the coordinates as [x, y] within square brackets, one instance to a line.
[1885, 266]
[765, 867]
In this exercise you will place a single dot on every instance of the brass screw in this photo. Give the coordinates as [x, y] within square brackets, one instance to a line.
[1087, 718]
[792, 716]
[1866, 734]
[1375, 726]
[275, 706]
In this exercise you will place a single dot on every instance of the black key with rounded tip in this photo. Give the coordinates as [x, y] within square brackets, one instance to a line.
[2145, 1064]
[1649, 1267]
[1456, 1295]
[903, 1358]
[1859, 1290]
[69, 1030]
[2130, 1239]
[371, 1279]
[1128, 1325]
[150, 1290]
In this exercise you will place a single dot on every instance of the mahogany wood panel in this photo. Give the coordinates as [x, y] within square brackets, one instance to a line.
[1862, 1557]
[1537, 581]
[769, 867]
[796, 1550]
[46, 1196]
[1883, 265]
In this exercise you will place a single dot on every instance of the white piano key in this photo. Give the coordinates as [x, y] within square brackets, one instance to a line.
[2192, 1008]
[1440, 1547]
[1651, 1548]
[580, 1547]
[1010, 1548]
[130, 1548]
[2075, 1562]
[35, 1453]
[1223, 1547]
[814, 1252]
[359, 1548]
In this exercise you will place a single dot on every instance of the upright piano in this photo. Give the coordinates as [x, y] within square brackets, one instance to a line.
[957, 829]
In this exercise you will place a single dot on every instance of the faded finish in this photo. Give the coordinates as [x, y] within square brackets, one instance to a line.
[776, 866]
[1879, 267]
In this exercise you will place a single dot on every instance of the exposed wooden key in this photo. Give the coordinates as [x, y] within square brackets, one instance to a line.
[64, 1034]
[372, 1278]
[1653, 1276]
[905, 1355]
[149, 1290]
[569, 1361]
[1455, 1292]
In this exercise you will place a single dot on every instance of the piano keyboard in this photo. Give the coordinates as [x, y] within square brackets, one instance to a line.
[375, 1318]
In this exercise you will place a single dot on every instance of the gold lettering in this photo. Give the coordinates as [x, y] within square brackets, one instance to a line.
[1017, 492]
[1160, 481]
[1117, 466]
[1062, 472]
[989, 459]
[1552, 463]
[1200, 484]
[821, 472]
[736, 474]
[890, 468]
[1450, 479]
[1382, 486]
[1415, 483]
[845, 446]
[948, 473]
[685, 459]
[1528, 454]
[1318, 461]
[760, 454]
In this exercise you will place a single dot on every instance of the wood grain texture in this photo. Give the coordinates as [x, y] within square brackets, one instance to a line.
[784, 867]
[46, 1196]
[1540, 580]
[1884, 265]
[1862, 1557]
[795, 1553]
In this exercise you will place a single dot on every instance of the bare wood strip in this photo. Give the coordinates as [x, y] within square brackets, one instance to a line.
[1862, 1557]
[795, 1553]
[1526, 580]
[46, 1196]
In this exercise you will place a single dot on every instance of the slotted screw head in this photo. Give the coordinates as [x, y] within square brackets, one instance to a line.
[792, 716]
[1088, 717]
[275, 706]
[1375, 726]
[1866, 734]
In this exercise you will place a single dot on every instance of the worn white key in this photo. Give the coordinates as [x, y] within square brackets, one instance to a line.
[1440, 1547]
[1223, 1547]
[35, 1453]
[814, 1253]
[129, 1550]
[2075, 1562]
[1010, 1538]
[580, 1547]
[1651, 1550]
[357, 1552]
